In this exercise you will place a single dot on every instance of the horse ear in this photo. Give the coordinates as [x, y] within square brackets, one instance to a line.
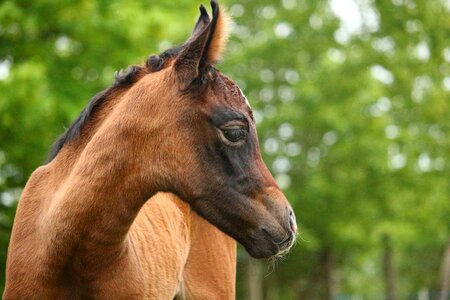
[202, 21]
[205, 47]
[220, 28]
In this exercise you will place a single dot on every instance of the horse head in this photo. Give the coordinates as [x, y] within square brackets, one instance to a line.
[211, 156]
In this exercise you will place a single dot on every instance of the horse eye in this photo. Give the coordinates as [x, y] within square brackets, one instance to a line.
[235, 134]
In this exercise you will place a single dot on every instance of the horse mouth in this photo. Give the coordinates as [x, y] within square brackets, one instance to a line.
[269, 246]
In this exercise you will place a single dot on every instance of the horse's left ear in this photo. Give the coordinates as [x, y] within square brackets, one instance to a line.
[204, 48]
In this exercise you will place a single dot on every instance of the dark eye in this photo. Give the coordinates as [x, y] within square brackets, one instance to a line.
[234, 135]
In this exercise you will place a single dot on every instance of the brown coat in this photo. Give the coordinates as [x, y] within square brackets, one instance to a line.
[198, 260]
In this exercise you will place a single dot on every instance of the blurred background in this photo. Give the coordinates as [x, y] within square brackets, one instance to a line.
[352, 101]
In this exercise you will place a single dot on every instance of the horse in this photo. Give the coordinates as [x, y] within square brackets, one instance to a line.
[176, 124]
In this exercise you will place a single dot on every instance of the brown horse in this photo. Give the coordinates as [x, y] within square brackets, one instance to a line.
[84, 229]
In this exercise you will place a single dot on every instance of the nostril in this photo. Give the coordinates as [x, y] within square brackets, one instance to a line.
[292, 221]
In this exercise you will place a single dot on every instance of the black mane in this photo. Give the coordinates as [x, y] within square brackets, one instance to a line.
[75, 129]
[123, 78]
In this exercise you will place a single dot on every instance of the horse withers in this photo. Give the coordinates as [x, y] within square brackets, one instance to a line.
[175, 124]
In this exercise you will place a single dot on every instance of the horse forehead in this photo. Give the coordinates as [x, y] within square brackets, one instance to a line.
[235, 90]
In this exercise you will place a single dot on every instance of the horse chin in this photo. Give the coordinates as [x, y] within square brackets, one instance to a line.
[272, 251]
[262, 252]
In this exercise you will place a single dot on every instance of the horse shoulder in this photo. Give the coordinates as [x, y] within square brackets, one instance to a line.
[160, 237]
[210, 271]
[24, 253]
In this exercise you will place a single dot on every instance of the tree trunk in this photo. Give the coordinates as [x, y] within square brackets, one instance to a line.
[445, 274]
[390, 276]
[332, 289]
[254, 280]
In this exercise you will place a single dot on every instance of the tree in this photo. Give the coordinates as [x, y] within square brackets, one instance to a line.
[350, 97]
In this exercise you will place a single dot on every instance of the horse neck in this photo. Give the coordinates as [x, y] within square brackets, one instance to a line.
[97, 193]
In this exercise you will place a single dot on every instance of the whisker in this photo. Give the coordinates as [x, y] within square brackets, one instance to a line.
[271, 266]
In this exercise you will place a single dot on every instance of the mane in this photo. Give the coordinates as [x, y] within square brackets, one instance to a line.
[123, 79]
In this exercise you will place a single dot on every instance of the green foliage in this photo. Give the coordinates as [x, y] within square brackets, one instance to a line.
[353, 117]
